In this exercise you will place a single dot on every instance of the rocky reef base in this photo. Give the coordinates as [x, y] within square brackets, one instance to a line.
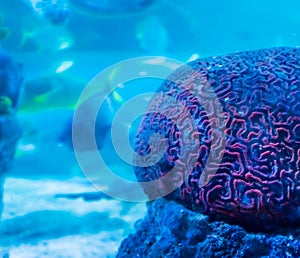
[11, 76]
[171, 230]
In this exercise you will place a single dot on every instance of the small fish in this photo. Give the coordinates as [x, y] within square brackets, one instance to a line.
[51, 92]
[102, 126]
[102, 123]
[55, 11]
[47, 38]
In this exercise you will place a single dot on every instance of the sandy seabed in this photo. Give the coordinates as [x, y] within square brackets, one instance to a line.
[42, 218]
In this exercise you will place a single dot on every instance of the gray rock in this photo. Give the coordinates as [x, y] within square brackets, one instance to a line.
[171, 230]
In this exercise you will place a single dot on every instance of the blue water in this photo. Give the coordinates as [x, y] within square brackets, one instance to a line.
[60, 56]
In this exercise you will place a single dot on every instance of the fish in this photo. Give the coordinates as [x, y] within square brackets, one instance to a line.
[50, 92]
[60, 91]
[103, 121]
[102, 126]
[47, 38]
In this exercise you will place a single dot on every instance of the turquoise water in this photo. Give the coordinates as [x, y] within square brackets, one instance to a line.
[60, 57]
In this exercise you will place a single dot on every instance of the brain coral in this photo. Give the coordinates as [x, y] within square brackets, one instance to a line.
[257, 181]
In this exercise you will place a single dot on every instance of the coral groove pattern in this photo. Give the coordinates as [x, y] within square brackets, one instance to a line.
[258, 179]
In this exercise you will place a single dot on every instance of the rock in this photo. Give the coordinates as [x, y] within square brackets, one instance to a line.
[171, 230]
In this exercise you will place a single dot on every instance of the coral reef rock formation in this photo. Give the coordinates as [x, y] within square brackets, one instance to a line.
[171, 230]
[256, 181]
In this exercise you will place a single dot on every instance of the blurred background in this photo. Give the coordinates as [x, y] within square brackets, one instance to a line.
[50, 209]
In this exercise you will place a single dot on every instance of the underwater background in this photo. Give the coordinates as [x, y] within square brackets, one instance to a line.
[49, 207]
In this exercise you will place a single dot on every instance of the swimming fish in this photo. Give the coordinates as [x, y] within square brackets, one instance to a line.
[51, 92]
[54, 91]
[102, 126]
[61, 91]
[47, 38]
[55, 11]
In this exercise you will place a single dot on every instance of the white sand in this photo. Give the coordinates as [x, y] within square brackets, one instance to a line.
[66, 231]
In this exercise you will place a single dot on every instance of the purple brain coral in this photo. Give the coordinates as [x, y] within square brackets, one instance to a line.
[257, 180]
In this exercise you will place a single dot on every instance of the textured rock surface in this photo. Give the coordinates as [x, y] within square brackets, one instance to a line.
[10, 132]
[257, 181]
[171, 230]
